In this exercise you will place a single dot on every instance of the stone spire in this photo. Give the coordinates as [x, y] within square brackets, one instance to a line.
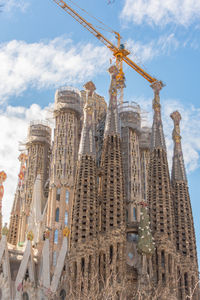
[87, 144]
[157, 139]
[184, 227]
[160, 200]
[178, 168]
[112, 118]
[84, 225]
[112, 200]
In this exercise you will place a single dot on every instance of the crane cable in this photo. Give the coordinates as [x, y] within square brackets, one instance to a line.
[109, 29]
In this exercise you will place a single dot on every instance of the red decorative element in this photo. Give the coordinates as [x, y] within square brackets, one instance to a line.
[22, 158]
[142, 203]
[21, 175]
[19, 287]
[3, 176]
[1, 191]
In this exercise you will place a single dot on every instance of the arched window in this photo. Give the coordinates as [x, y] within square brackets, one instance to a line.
[62, 295]
[66, 218]
[58, 194]
[57, 215]
[134, 214]
[25, 296]
[67, 196]
[54, 258]
[56, 236]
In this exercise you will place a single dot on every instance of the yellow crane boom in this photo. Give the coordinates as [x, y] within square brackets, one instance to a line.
[119, 51]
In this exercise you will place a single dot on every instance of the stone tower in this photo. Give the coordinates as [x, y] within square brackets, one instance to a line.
[84, 227]
[130, 132]
[112, 198]
[13, 235]
[187, 270]
[38, 162]
[160, 203]
[99, 105]
[67, 113]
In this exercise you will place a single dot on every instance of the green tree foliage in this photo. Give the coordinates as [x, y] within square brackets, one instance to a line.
[145, 240]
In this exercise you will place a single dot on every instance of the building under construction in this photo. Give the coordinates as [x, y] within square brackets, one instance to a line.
[96, 214]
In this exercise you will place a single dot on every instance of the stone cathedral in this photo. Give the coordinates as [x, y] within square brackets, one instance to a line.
[96, 214]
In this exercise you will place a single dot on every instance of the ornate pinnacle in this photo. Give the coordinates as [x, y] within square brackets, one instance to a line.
[22, 158]
[176, 117]
[157, 137]
[30, 236]
[113, 85]
[87, 143]
[113, 70]
[3, 177]
[66, 232]
[157, 87]
[90, 88]
[112, 118]
[46, 234]
[178, 168]
[5, 230]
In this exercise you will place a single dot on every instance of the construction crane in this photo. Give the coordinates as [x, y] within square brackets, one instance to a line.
[119, 51]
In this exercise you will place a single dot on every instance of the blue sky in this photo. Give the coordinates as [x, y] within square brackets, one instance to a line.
[42, 48]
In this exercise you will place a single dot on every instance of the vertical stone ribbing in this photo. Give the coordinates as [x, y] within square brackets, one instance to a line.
[160, 200]
[17, 205]
[130, 131]
[38, 162]
[84, 227]
[184, 227]
[112, 202]
[67, 113]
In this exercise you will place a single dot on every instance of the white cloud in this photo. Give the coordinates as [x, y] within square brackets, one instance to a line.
[159, 12]
[47, 64]
[14, 127]
[9, 5]
[144, 52]
[60, 62]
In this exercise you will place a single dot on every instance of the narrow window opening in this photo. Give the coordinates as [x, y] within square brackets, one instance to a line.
[57, 215]
[58, 194]
[56, 236]
[111, 254]
[67, 197]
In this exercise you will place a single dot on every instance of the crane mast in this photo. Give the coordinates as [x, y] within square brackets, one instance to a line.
[119, 52]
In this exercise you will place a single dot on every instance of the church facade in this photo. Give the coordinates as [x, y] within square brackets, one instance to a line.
[96, 213]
